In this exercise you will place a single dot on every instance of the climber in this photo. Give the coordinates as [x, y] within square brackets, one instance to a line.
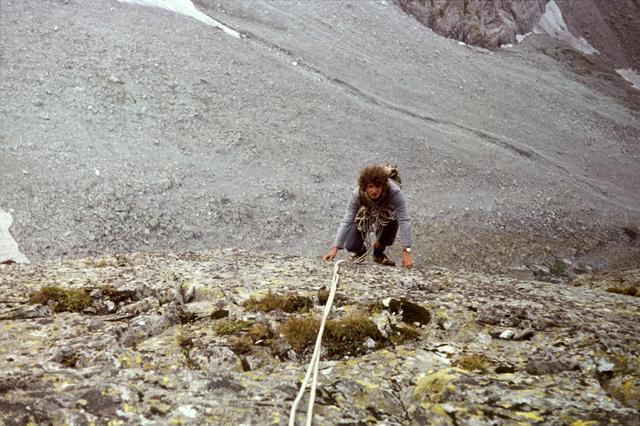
[377, 204]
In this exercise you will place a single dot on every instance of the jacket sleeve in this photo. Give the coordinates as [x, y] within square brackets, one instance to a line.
[402, 215]
[348, 220]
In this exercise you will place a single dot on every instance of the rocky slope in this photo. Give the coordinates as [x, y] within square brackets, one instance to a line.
[607, 26]
[126, 128]
[485, 23]
[596, 38]
[170, 339]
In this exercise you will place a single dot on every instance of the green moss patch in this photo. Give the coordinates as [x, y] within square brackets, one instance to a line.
[61, 300]
[474, 362]
[300, 332]
[342, 337]
[287, 303]
[230, 327]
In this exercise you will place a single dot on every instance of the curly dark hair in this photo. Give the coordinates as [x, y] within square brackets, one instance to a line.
[377, 175]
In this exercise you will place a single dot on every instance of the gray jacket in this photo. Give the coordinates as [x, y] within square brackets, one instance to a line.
[402, 215]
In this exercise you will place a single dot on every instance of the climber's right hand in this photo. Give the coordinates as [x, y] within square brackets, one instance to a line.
[332, 253]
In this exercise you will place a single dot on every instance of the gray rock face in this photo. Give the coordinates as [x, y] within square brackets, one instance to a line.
[485, 23]
[561, 353]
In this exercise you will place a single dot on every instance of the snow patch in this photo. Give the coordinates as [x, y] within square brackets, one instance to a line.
[185, 7]
[631, 76]
[8, 247]
[552, 24]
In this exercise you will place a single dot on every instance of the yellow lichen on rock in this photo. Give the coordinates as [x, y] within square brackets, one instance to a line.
[626, 390]
[128, 408]
[435, 386]
[530, 415]
[585, 423]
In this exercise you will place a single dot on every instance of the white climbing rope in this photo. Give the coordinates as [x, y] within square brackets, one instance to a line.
[366, 220]
[315, 358]
[367, 225]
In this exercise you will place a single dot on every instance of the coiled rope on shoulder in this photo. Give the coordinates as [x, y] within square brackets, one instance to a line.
[315, 358]
[371, 217]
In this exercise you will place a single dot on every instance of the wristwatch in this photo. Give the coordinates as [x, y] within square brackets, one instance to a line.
[407, 249]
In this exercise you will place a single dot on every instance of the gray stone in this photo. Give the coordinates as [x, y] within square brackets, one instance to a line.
[144, 363]
[507, 334]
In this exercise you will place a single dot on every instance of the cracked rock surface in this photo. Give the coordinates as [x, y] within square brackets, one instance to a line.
[491, 351]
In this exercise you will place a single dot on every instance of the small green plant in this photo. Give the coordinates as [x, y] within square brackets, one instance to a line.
[558, 267]
[474, 362]
[229, 327]
[287, 303]
[61, 300]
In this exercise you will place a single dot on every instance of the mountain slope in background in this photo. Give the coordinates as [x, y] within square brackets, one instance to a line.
[126, 128]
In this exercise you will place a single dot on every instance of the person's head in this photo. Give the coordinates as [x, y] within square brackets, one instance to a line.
[373, 181]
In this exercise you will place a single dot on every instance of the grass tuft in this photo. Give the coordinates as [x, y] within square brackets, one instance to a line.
[300, 332]
[61, 300]
[260, 331]
[287, 303]
[343, 337]
[474, 362]
[558, 267]
[229, 327]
